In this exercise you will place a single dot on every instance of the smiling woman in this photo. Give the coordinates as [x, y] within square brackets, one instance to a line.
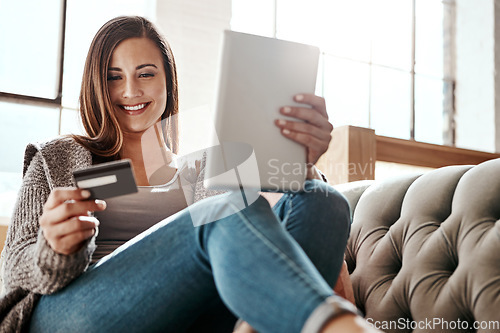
[134, 71]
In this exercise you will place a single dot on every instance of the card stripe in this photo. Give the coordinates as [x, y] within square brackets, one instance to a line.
[95, 182]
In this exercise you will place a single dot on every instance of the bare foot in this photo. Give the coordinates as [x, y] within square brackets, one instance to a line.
[343, 287]
[349, 323]
[244, 327]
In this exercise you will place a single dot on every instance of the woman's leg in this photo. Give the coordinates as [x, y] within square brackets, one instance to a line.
[163, 279]
[319, 219]
[156, 282]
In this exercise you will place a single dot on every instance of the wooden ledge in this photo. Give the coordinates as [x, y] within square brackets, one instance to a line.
[353, 152]
[426, 154]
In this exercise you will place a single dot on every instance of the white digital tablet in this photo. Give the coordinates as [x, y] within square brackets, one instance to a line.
[258, 76]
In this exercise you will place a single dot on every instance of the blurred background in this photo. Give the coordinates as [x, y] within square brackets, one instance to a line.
[416, 70]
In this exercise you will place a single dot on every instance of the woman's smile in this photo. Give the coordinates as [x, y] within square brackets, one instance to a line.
[134, 110]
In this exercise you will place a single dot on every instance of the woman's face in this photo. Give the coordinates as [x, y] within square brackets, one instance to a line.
[137, 84]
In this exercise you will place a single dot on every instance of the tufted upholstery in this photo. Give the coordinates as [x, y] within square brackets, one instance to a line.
[427, 248]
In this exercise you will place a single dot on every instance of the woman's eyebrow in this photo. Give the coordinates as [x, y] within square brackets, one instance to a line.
[117, 69]
[146, 65]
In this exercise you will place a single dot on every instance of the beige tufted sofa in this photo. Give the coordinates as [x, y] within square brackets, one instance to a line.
[424, 250]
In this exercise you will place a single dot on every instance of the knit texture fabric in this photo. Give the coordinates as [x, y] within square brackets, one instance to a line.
[30, 268]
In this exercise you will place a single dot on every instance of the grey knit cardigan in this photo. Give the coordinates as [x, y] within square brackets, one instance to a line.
[30, 267]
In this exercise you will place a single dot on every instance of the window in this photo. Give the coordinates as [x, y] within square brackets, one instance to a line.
[381, 64]
[30, 61]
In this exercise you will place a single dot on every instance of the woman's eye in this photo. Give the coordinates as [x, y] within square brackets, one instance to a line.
[113, 77]
[146, 75]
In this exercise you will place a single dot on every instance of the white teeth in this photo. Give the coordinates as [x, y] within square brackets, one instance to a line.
[134, 108]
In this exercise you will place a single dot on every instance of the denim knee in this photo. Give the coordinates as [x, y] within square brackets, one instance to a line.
[321, 198]
[216, 211]
[221, 206]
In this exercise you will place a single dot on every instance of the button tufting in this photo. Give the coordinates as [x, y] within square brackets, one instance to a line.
[429, 247]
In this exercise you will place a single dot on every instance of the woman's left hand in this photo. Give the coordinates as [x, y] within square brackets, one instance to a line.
[315, 132]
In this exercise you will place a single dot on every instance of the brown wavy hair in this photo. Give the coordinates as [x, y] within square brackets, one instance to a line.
[104, 136]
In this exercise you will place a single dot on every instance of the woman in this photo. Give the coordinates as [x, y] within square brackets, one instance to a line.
[169, 276]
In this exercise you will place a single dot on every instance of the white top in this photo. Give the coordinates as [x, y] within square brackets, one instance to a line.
[128, 215]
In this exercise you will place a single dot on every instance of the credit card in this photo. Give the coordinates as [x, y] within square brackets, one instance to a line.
[107, 180]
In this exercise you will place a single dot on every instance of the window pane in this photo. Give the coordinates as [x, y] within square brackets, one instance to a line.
[429, 38]
[70, 122]
[390, 102]
[346, 28]
[20, 125]
[339, 27]
[253, 17]
[308, 13]
[346, 90]
[319, 76]
[428, 109]
[83, 19]
[392, 33]
[10, 182]
[30, 44]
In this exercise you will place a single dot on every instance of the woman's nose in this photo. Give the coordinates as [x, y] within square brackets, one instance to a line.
[131, 89]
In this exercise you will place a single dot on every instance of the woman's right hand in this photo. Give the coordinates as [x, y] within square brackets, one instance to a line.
[65, 222]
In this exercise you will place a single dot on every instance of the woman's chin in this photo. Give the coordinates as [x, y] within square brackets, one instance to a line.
[134, 130]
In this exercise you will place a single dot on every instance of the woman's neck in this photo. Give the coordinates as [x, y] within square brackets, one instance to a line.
[151, 160]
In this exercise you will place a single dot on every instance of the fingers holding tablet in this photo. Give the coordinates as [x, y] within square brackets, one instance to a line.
[314, 129]
[302, 127]
[315, 114]
[318, 103]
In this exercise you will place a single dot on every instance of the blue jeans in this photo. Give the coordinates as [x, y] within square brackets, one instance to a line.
[168, 278]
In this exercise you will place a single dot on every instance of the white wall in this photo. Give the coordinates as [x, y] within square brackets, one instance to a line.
[194, 30]
[475, 75]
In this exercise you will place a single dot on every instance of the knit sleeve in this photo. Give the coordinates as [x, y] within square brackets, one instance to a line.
[30, 263]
